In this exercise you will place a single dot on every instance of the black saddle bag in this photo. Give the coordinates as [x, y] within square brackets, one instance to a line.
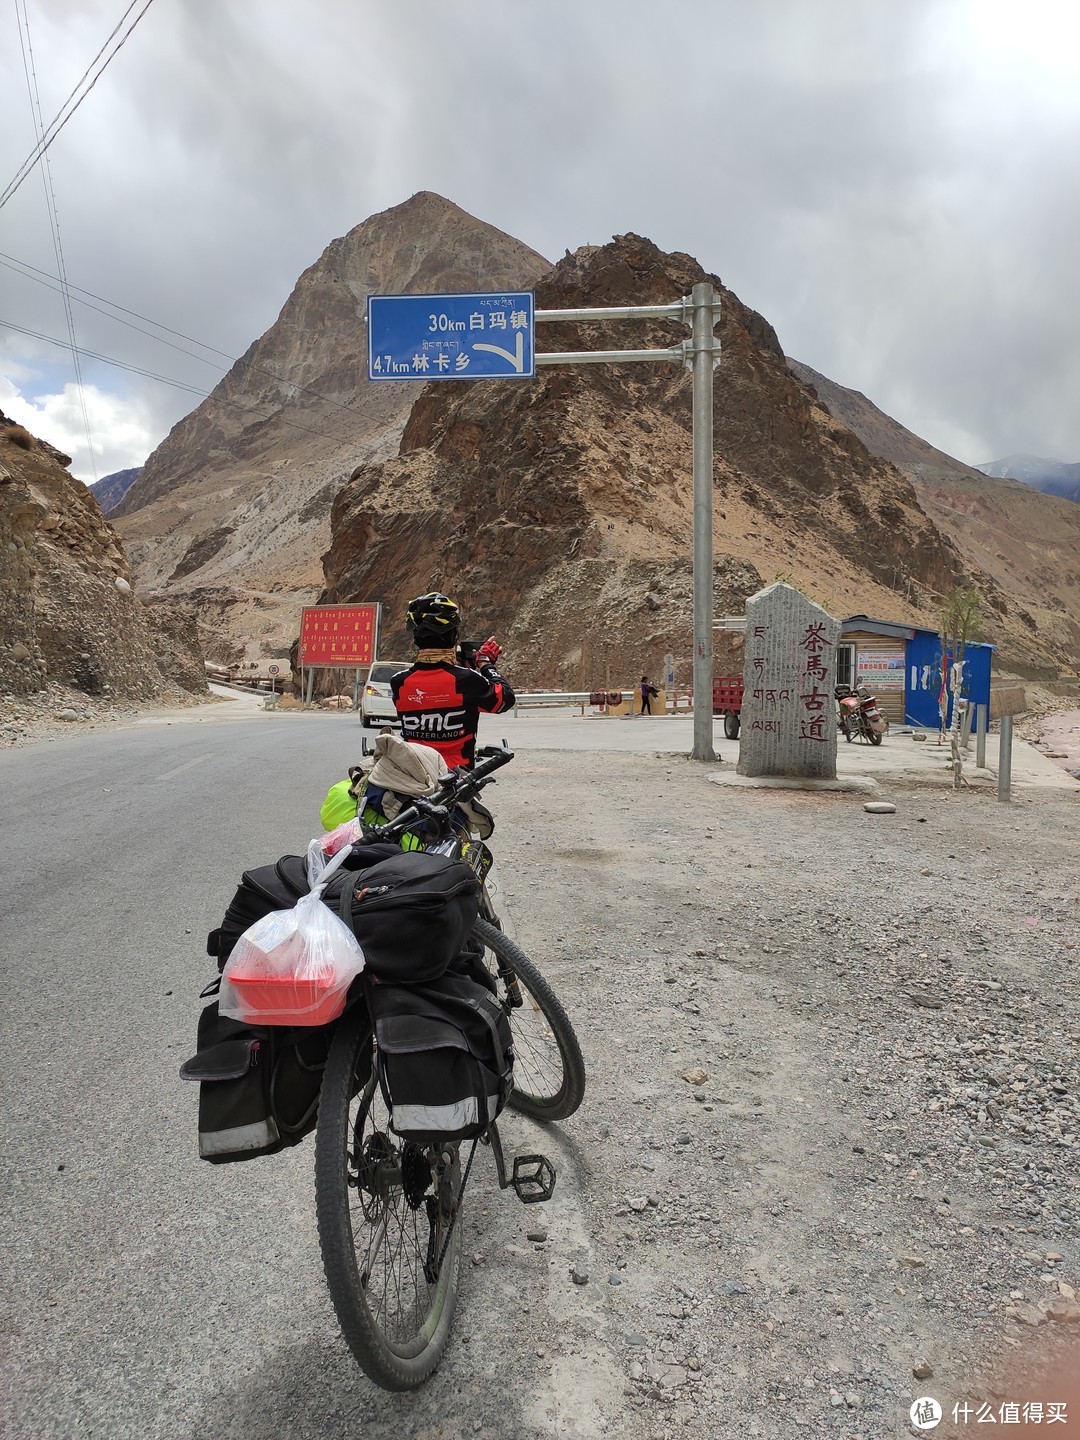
[444, 1057]
[412, 914]
[259, 1087]
[278, 887]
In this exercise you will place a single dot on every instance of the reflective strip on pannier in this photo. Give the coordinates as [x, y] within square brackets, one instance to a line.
[445, 1119]
[242, 1139]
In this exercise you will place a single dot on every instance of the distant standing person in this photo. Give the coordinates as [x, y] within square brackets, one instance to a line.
[648, 692]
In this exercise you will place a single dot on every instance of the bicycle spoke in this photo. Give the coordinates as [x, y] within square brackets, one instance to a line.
[375, 1224]
[538, 1068]
[395, 1238]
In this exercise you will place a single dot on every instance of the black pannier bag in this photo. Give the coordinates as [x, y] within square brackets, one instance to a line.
[278, 887]
[258, 1087]
[444, 1057]
[412, 914]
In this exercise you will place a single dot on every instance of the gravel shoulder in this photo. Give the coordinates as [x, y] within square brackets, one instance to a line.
[831, 1132]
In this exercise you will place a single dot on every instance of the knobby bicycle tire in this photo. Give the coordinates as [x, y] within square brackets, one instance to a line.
[549, 1072]
[394, 1313]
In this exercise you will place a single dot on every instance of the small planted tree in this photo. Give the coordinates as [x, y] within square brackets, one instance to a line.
[958, 622]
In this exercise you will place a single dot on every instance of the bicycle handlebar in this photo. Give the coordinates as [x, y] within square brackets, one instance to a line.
[460, 784]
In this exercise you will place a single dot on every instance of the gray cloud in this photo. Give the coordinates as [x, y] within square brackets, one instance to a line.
[894, 187]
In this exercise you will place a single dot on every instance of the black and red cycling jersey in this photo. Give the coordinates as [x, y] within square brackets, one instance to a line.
[439, 705]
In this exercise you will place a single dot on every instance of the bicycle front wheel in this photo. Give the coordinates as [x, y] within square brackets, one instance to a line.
[549, 1072]
[389, 1221]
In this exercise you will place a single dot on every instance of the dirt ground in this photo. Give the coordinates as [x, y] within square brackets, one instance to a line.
[830, 1139]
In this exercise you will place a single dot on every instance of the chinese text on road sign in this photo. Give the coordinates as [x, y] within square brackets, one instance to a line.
[344, 635]
[450, 337]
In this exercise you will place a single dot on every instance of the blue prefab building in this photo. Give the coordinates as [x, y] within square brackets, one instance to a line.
[901, 664]
[924, 677]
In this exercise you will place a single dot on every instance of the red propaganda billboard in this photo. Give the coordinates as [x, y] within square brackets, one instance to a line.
[345, 636]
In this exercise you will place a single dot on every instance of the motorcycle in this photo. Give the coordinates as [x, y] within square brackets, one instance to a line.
[858, 714]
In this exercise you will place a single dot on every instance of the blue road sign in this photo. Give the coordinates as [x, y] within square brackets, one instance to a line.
[450, 337]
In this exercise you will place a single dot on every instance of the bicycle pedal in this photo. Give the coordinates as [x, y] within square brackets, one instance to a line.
[533, 1179]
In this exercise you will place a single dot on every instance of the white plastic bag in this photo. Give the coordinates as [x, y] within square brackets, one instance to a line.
[294, 967]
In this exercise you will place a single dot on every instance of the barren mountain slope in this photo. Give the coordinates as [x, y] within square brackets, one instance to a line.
[1027, 541]
[561, 510]
[68, 614]
[110, 490]
[233, 507]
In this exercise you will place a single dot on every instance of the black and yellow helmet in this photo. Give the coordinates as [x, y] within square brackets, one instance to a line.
[434, 619]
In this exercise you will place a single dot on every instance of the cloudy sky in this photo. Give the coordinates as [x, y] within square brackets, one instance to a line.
[894, 184]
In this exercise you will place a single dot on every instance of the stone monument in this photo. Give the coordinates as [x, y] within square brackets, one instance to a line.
[789, 671]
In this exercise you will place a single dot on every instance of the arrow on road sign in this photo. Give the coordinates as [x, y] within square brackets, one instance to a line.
[517, 359]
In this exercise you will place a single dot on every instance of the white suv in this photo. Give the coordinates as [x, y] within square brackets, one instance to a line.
[376, 704]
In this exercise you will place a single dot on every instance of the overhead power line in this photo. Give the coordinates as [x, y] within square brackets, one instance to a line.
[21, 268]
[30, 71]
[46, 136]
[75, 99]
[105, 359]
[346, 440]
[43, 277]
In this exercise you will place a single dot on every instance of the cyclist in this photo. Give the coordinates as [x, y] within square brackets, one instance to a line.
[439, 699]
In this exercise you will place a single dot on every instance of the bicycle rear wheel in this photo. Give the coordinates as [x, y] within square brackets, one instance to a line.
[549, 1072]
[389, 1221]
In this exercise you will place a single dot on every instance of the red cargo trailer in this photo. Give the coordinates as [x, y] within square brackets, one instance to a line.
[727, 693]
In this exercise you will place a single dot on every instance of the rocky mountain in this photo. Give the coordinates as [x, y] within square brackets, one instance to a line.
[1053, 477]
[561, 511]
[111, 489]
[570, 495]
[1027, 542]
[68, 611]
[233, 509]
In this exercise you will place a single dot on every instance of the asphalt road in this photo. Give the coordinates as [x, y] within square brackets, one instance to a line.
[144, 1293]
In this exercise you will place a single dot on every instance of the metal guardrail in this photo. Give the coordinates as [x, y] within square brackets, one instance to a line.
[538, 698]
[551, 697]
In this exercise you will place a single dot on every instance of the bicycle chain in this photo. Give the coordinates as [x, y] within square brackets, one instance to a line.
[456, 1211]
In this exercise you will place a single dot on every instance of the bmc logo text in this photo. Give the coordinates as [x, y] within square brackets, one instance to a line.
[435, 722]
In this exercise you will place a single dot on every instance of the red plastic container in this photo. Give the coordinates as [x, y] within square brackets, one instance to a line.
[285, 1000]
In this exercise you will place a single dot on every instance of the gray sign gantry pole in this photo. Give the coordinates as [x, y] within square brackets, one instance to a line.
[701, 354]
[704, 359]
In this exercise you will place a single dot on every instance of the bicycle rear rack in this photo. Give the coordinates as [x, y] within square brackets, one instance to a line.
[532, 1178]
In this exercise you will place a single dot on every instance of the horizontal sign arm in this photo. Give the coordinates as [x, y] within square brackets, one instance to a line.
[678, 310]
[607, 357]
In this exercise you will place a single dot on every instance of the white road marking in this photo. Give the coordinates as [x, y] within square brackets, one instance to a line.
[188, 764]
